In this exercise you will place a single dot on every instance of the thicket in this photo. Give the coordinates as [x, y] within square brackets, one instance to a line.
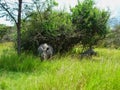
[86, 25]
[91, 22]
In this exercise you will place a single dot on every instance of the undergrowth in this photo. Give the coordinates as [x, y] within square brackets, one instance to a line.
[68, 72]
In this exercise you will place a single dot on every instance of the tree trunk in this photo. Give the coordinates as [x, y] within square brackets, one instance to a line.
[19, 28]
[18, 40]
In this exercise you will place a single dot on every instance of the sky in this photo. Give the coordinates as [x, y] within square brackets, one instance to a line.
[112, 5]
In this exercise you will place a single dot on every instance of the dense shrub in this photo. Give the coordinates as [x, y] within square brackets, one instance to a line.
[86, 24]
[91, 22]
[54, 28]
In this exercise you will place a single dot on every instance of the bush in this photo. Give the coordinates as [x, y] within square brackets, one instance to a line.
[54, 28]
[91, 22]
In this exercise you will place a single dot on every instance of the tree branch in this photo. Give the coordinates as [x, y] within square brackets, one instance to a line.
[4, 8]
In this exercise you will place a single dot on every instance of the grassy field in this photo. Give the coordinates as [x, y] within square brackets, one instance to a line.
[68, 72]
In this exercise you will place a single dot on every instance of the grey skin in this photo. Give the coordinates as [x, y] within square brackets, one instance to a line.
[45, 51]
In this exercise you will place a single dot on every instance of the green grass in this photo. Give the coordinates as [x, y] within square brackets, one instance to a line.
[68, 72]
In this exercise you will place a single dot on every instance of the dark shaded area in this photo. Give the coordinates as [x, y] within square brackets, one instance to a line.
[88, 53]
[60, 44]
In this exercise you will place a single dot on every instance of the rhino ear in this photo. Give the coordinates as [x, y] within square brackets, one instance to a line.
[45, 44]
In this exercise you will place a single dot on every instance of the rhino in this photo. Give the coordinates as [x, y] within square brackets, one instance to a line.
[45, 51]
[88, 53]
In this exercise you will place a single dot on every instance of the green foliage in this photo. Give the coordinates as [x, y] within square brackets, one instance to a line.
[52, 27]
[10, 61]
[13, 62]
[113, 38]
[90, 21]
[99, 73]
[6, 33]
[3, 31]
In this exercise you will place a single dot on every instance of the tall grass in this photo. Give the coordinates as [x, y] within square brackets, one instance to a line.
[68, 72]
[22, 63]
